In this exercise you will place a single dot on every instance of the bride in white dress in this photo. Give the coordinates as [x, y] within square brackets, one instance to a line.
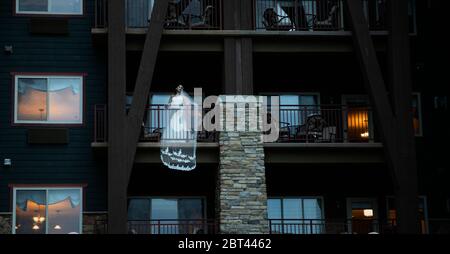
[179, 138]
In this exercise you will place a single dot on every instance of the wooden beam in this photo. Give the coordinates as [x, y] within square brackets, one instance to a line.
[144, 80]
[373, 79]
[401, 90]
[117, 185]
[393, 119]
[238, 52]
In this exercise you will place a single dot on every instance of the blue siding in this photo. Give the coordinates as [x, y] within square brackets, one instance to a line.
[57, 164]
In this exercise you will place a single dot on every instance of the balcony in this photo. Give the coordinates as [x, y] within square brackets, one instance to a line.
[321, 226]
[268, 15]
[297, 124]
[181, 14]
[352, 226]
[318, 15]
[173, 227]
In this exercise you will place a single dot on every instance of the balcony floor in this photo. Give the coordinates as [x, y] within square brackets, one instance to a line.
[307, 153]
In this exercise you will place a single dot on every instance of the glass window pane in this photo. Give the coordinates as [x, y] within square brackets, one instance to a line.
[64, 96]
[292, 209]
[66, 6]
[274, 208]
[165, 210]
[64, 211]
[30, 211]
[274, 212]
[158, 115]
[33, 5]
[312, 209]
[139, 209]
[190, 213]
[32, 99]
[289, 110]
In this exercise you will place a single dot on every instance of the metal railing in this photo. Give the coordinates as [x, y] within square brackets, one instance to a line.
[201, 226]
[297, 123]
[298, 15]
[181, 14]
[156, 120]
[321, 226]
[325, 124]
[319, 15]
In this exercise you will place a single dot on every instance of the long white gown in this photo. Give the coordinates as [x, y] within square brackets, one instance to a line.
[179, 138]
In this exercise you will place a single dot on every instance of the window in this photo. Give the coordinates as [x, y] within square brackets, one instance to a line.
[166, 215]
[296, 215]
[417, 114]
[362, 215]
[423, 213]
[295, 109]
[56, 7]
[48, 100]
[358, 120]
[47, 211]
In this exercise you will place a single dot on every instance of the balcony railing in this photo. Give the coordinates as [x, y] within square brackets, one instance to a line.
[172, 227]
[318, 15]
[321, 226]
[297, 124]
[181, 14]
[325, 124]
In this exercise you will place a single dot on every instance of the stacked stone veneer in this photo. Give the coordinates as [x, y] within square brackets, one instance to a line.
[242, 197]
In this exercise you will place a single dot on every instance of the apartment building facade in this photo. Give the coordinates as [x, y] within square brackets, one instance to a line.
[85, 87]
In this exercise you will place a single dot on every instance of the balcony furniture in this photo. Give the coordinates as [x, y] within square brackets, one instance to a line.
[151, 135]
[174, 18]
[313, 129]
[205, 20]
[330, 20]
[273, 22]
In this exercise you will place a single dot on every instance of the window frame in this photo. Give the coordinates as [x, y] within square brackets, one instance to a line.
[46, 189]
[202, 198]
[48, 13]
[15, 78]
[281, 198]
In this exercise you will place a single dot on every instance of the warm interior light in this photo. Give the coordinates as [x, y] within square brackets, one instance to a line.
[365, 135]
[38, 219]
[35, 227]
[368, 212]
[57, 227]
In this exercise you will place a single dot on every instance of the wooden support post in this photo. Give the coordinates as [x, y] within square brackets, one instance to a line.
[401, 89]
[117, 168]
[144, 80]
[387, 114]
[238, 52]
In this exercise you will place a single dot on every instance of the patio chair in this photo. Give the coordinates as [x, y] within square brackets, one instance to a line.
[206, 20]
[174, 18]
[152, 136]
[313, 129]
[330, 20]
[272, 21]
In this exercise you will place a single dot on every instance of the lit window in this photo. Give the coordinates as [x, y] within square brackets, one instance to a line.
[58, 7]
[47, 211]
[296, 215]
[48, 100]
